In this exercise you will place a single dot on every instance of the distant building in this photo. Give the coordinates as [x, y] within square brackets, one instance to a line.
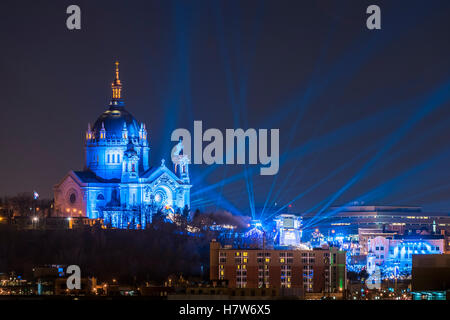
[397, 251]
[288, 229]
[45, 277]
[87, 284]
[219, 290]
[118, 184]
[366, 234]
[399, 219]
[310, 271]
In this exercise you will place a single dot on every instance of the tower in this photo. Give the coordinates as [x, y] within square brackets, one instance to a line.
[117, 87]
[130, 167]
[289, 229]
[181, 163]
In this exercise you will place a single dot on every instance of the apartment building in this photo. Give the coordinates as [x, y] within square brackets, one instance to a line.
[318, 270]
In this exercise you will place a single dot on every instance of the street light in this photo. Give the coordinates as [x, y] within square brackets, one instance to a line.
[34, 221]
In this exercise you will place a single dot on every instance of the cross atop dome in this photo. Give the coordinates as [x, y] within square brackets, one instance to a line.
[117, 85]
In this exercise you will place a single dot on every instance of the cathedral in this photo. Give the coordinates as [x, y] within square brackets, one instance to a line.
[117, 184]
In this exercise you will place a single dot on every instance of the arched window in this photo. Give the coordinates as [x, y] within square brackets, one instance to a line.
[118, 158]
[107, 161]
[113, 158]
[100, 197]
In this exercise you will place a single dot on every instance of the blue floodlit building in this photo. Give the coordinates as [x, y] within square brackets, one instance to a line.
[394, 254]
[117, 183]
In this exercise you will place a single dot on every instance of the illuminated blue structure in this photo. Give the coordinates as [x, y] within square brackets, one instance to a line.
[117, 183]
[394, 255]
[288, 230]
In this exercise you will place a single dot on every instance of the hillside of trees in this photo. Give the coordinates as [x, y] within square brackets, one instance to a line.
[134, 256]
[129, 255]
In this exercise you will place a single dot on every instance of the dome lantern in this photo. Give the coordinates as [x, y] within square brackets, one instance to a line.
[116, 86]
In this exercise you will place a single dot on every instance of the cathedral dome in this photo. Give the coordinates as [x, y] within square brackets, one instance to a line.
[113, 121]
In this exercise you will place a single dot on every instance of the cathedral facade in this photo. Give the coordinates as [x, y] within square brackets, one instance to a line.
[117, 184]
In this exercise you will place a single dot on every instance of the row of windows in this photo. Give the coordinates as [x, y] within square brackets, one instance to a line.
[243, 254]
[288, 260]
[113, 158]
[286, 254]
[268, 254]
[240, 260]
[285, 257]
[308, 254]
[310, 260]
[284, 268]
[389, 217]
[116, 141]
[391, 251]
[262, 254]
[283, 261]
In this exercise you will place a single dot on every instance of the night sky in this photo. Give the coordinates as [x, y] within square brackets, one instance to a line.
[364, 115]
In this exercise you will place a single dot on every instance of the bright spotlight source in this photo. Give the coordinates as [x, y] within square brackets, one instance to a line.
[35, 219]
